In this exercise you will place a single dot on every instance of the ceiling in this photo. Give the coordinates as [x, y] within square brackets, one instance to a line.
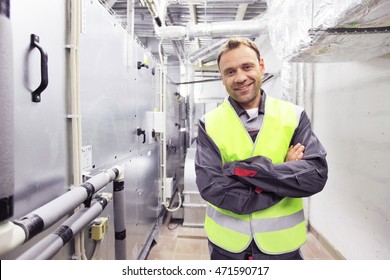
[135, 14]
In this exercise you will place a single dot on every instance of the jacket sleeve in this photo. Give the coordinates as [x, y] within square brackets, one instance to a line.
[301, 178]
[223, 190]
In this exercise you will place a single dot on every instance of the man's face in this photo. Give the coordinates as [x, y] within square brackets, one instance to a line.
[241, 74]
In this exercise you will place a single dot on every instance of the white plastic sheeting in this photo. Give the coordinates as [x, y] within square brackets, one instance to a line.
[329, 30]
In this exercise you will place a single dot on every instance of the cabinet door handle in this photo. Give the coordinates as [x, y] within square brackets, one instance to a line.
[36, 94]
[140, 132]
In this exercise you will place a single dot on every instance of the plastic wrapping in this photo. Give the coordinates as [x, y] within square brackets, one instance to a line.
[329, 30]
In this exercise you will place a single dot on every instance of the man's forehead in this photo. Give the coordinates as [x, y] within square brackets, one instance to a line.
[237, 57]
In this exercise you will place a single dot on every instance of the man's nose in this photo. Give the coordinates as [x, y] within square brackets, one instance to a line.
[240, 76]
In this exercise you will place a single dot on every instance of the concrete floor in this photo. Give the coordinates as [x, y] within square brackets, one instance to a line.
[178, 242]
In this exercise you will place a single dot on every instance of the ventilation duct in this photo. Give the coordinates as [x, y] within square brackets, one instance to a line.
[205, 52]
[329, 30]
[250, 28]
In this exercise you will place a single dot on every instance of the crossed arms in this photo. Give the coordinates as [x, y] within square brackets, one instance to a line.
[255, 183]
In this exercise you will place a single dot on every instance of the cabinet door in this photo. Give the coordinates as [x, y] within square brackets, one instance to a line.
[41, 147]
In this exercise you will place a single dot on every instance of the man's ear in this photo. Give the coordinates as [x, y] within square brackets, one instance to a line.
[262, 66]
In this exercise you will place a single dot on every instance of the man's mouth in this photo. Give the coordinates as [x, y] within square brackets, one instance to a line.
[243, 87]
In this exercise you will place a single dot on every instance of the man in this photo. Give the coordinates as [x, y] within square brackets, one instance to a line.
[256, 158]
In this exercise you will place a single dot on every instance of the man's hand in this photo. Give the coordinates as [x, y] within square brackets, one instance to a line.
[295, 152]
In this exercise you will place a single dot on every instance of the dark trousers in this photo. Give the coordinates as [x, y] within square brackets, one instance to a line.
[251, 253]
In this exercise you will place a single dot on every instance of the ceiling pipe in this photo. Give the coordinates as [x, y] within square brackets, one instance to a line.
[151, 5]
[205, 2]
[162, 10]
[205, 52]
[251, 28]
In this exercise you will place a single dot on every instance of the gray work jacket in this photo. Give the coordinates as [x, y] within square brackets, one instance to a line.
[219, 185]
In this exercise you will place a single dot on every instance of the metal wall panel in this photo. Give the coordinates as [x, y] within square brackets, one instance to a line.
[108, 101]
[116, 99]
[41, 157]
[174, 127]
[40, 139]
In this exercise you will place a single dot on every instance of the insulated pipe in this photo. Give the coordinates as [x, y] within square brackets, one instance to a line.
[11, 236]
[153, 11]
[205, 52]
[165, 3]
[252, 28]
[50, 213]
[120, 217]
[7, 173]
[48, 247]
[74, 74]
[172, 32]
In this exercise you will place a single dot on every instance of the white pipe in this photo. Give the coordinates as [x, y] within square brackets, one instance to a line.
[75, 93]
[172, 32]
[151, 5]
[75, 106]
[253, 28]
[205, 2]
[12, 236]
[49, 246]
[120, 217]
[162, 9]
[54, 210]
[205, 52]
[50, 213]
[178, 207]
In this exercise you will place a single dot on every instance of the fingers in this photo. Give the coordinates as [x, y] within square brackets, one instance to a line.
[295, 152]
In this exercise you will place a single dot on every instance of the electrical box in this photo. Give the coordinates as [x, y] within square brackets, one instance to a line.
[154, 122]
[159, 121]
[99, 228]
[168, 187]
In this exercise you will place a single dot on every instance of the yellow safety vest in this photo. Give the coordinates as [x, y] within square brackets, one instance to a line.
[280, 228]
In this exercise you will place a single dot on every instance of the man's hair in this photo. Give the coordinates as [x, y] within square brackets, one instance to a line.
[234, 43]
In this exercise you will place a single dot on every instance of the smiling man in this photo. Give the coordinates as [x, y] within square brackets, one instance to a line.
[256, 158]
[242, 69]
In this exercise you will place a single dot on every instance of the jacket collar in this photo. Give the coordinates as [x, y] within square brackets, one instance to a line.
[239, 110]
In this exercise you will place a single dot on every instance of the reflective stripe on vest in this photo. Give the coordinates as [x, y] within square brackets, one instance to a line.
[280, 228]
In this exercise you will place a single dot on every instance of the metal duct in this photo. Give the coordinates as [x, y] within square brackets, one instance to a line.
[165, 3]
[153, 11]
[205, 52]
[329, 30]
[250, 28]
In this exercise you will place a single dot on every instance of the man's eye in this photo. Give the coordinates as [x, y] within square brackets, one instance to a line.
[229, 73]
